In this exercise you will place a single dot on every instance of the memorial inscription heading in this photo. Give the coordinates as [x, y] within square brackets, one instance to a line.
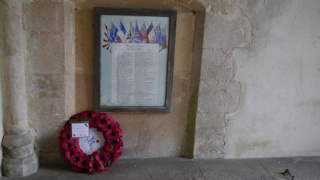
[134, 51]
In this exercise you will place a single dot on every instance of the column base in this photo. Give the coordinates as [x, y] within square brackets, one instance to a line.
[20, 167]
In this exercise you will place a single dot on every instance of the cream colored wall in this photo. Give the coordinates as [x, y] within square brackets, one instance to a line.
[145, 135]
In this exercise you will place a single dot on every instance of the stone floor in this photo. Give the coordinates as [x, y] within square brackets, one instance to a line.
[307, 168]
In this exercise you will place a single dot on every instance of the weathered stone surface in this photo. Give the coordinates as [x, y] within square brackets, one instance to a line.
[279, 76]
[216, 65]
[45, 53]
[44, 17]
[218, 96]
[184, 56]
[20, 167]
[18, 152]
[226, 31]
[45, 86]
[209, 135]
[18, 140]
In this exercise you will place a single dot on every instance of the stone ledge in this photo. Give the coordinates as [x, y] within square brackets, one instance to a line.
[20, 167]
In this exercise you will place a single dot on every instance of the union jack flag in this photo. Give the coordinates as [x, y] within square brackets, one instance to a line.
[136, 37]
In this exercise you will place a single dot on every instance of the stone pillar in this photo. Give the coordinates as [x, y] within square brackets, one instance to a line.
[19, 158]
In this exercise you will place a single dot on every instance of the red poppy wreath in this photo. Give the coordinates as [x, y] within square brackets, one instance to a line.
[95, 153]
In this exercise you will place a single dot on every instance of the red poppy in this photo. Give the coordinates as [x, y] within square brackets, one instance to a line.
[112, 134]
[102, 158]
[70, 144]
[114, 154]
[67, 146]
[83, 162]
[68, 154]
[85, 114]
[94, 166]
[76, 116]
[107, 125]
[101, 121]
[75, 158]
[96, 119]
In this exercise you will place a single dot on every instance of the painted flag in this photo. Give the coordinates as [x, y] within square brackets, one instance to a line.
[136, 37]
[164, 38]
[152, 37]
[150, 28]
[113, 33]
[143, 34]
[122, 28]
[128, 35]
[157, 32]
[122, 32]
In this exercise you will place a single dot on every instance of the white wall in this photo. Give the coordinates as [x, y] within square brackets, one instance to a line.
[279, 73]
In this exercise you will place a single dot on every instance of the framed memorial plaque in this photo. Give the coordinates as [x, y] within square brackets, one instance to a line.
[134, 58]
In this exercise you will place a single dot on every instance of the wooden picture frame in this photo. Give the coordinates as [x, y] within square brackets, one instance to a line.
[134, 60]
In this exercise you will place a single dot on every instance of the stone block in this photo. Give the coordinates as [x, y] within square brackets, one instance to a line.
[209, 135]
[226, 31]
[46, 106]
[184, 44]
[44, 17]
[45, 86]
[218, 96]
[216, 65]
[46, 53]
[18, 152]
[20, 167]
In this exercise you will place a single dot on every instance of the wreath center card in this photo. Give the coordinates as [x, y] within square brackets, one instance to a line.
[92, 143]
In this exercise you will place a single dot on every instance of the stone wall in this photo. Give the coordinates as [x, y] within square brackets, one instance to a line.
[48, 28]
[279, 72]
[259, 82]
[246, 78]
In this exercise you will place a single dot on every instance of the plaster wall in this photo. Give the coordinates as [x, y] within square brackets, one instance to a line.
[279, 72]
